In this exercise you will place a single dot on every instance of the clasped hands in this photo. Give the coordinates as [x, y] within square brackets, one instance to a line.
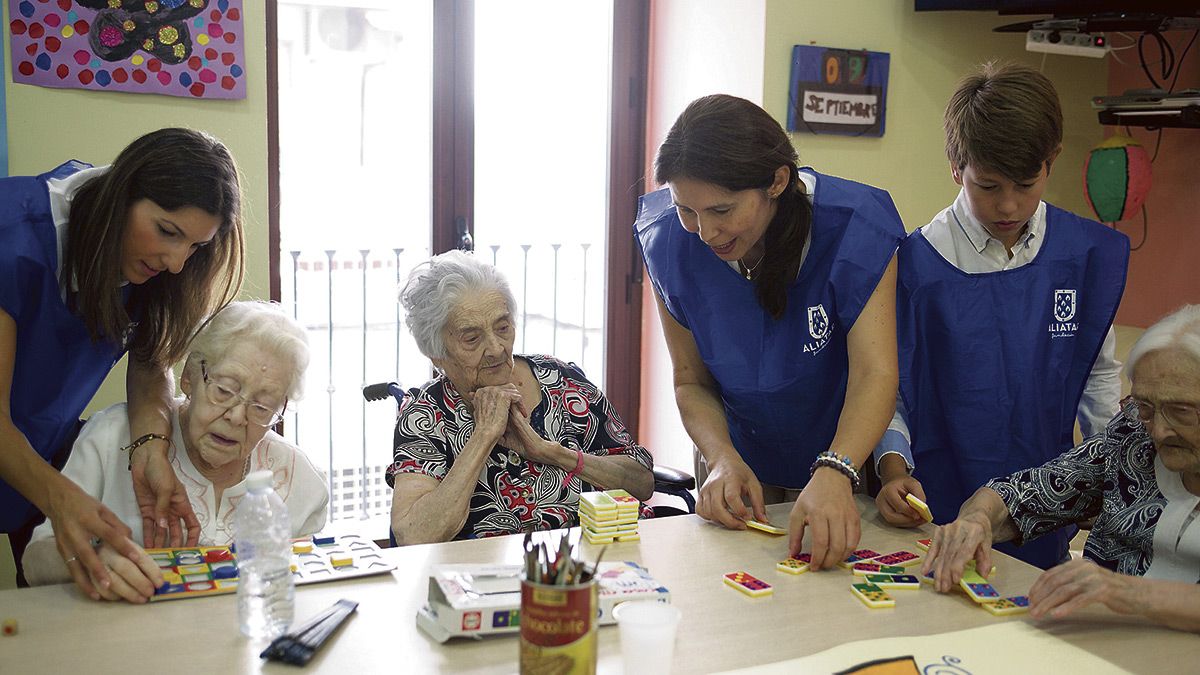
[500, 413]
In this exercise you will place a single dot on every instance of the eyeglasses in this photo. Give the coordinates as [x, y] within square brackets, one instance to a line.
[227, 393]
[1178, 415]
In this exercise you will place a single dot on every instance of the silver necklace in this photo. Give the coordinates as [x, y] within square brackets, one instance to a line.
[749, 270]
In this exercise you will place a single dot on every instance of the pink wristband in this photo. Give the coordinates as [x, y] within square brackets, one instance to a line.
[574, 472]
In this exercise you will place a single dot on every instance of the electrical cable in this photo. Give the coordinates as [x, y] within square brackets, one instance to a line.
[1182, 56]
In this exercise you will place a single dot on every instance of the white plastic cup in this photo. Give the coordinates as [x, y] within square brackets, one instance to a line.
[647, 636]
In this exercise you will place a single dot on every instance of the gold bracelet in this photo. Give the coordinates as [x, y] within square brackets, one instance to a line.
[142, 441]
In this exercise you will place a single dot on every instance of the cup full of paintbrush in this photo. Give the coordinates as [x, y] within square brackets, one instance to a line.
[558, 610]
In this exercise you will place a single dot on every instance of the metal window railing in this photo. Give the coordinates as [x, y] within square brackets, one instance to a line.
[347, 301]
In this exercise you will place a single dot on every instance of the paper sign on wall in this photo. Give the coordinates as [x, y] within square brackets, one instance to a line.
[189, 48]
[838, 91]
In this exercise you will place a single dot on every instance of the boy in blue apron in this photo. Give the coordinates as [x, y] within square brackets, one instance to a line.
[1004, 308]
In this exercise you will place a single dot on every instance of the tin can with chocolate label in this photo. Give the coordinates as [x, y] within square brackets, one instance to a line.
[558, 629]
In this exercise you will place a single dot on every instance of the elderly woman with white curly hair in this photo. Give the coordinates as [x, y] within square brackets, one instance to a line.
[497, 443]
[1139, 479]
[243, 368]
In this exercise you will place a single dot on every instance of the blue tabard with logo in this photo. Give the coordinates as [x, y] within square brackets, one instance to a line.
[58, 367]
[782, 382]
[992, 366]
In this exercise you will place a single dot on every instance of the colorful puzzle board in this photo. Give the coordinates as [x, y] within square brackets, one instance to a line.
[212, 570]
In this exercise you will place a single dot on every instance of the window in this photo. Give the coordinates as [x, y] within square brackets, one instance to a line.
[402, 129]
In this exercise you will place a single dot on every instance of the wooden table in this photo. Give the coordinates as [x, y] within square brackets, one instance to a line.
[61, 631]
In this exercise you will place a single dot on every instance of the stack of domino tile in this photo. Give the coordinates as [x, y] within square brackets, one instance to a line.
[605, 517]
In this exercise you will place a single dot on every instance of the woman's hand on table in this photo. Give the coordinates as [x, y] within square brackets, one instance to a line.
[78, 519]
[722, 501]
[892, 505]
[826, 508]
[1070, 586]
[132, 580]
[954, 545]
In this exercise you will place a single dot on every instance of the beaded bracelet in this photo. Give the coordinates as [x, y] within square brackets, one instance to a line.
[574, 472]
[141, 441]
[841, 463]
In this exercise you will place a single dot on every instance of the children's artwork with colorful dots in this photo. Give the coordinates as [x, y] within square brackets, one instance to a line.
[211, 570]
[189, 48]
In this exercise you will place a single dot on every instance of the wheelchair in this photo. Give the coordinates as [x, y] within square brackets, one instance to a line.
[667, 481]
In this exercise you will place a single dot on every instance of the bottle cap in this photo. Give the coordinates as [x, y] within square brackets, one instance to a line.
[258, 480]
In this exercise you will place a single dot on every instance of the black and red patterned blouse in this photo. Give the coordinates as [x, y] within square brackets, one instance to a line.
[514, 495]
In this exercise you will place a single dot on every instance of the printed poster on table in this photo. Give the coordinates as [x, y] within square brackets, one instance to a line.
[188, 48]
[838, 91]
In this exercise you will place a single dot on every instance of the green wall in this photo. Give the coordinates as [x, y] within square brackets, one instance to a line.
[929, 51]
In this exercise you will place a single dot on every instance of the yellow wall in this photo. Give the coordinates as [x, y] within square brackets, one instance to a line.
[48, 126]
[929, 51]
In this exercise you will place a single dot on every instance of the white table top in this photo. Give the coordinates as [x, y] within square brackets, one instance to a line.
[61, 631]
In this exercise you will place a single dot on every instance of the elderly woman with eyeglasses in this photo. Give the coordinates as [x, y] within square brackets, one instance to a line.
[1139, 479]
[497, 443]
[243, 368]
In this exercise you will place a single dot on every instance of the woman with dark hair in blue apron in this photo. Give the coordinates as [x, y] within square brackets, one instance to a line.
[776, 288]
[92, 264]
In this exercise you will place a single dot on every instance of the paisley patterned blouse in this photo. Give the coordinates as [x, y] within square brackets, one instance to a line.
[514, 495]
[1111, 477]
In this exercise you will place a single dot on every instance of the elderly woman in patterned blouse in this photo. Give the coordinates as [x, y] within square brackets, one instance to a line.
[496, 443]
[1140, 480]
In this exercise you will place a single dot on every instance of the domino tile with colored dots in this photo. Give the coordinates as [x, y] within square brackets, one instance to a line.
[919, 506]
[901, 582]
[1015, 605]
[748, 584]
[797, 564]
[872, 596]
[861, 555]
[898, 559]
[977, 587]
[865, 568]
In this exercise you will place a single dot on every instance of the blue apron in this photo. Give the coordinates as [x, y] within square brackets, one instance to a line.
[782, 382]
[58, 367]
[992, 366]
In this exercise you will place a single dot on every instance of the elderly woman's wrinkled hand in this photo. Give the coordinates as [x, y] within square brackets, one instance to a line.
[954, 545]
[132, 581]
[490, 406]
[1070, 586]
[521, 438]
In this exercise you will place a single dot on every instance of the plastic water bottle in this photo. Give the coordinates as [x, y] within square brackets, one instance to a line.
[266, 593]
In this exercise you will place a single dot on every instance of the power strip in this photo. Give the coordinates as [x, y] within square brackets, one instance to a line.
[1065, 42]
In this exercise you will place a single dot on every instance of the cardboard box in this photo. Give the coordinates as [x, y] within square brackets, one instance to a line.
[478, 600]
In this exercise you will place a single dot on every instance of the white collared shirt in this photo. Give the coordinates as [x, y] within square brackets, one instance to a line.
[62, 192]
[961, 239]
